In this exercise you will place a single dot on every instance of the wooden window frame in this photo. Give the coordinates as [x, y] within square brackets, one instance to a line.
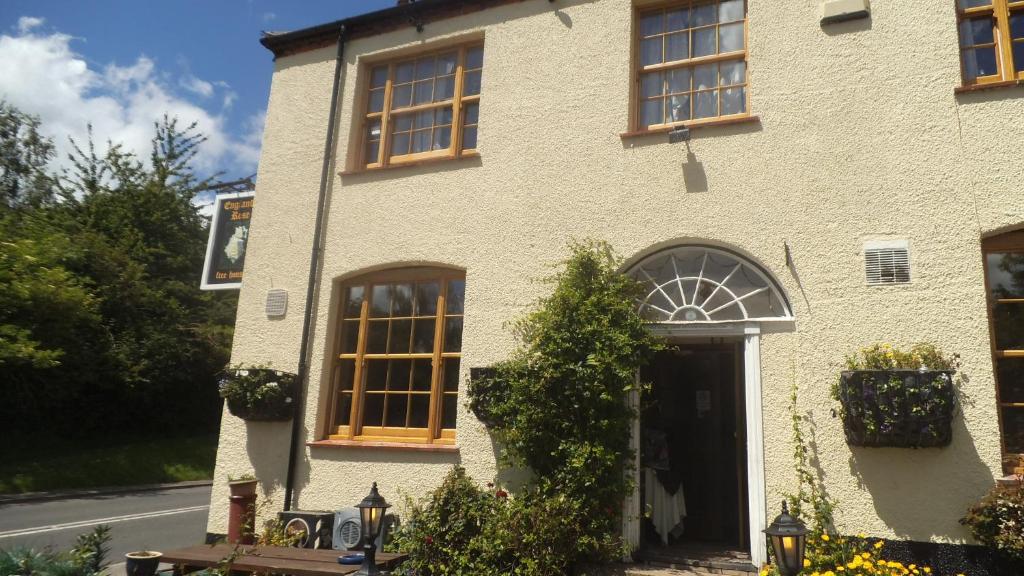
[356, 431]
[638, 70]
[999, 11]
[1008, 242]
[458, 104]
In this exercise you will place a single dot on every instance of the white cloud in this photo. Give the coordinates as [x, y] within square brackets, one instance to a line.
[27, 23]
[41, 74]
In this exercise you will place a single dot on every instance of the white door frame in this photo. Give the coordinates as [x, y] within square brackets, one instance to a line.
[756, 506]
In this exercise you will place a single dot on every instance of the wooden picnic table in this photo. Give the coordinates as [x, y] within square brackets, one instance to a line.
[273, 559]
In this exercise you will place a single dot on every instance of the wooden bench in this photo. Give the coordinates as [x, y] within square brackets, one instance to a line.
[270, 559]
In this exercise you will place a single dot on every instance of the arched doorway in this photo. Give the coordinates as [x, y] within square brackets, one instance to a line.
[699, 440]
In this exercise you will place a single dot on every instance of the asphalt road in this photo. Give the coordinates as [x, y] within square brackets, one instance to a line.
[153, 520]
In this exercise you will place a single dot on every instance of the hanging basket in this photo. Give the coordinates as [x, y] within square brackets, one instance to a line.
[897, 408]
[259, 394]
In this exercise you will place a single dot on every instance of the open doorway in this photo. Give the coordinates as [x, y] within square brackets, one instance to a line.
[693, 456]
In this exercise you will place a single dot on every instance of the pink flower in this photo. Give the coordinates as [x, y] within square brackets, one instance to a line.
[429, 540]
[501, 494]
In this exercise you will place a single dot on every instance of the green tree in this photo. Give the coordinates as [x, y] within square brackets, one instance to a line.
[24, 155]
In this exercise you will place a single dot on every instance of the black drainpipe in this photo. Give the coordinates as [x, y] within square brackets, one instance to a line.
[314, 265]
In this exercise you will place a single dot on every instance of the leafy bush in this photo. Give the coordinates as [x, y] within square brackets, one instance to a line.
[86, 558]
[258, 392]
[998, 521]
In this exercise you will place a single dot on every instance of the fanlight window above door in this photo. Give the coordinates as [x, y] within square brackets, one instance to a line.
[703, 284]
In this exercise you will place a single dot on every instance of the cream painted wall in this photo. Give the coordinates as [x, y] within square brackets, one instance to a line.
[860, 137]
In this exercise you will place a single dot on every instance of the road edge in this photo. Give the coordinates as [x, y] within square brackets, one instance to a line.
[93, 492]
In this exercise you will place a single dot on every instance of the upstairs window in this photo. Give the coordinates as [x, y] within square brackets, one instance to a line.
[692, 63]
[396, 368]
[423, 107]
[991, 40]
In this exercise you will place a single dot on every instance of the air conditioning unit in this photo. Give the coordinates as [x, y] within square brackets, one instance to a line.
[314, 527]
[348, 531]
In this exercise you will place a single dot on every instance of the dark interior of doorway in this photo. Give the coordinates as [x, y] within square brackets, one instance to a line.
[693, 440]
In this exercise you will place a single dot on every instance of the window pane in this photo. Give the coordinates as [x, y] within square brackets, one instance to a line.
[650, 84]
[403, 123]
[469, 137]
[651, 112]
[677, 46]
[475, 57]
[679, 108]
[372, 150]
[401, 304]
[400, 144]
[704, 15]
[453, 334]
[964, 4]
[423, 92]
[445, 88]
[652, 24]
[650, 51]
[401, 331]
[426, 298]
[343, 409]
[471, 83]
[376, 374]
[354, 301]
[734, 101]
[451, 374]
[376, 100]
[1013, 430]
[1018, 56]
[403, 73]
[419, 413]
[378, 77]
[733, 73]
[401, 96]
[1008, 320]
[423, 335]
[1006, 274]
[730, 38]
[707, 104]
[472, 112]
[377, 337]
[730, 11]
[455, 299]
[450, 411]
[976, 31]
[678, 80]
[349, 336]
[705, 76]
[1011, 380]
[380, 301]
[346, 374]
[421, 141]
[373, 409]
[442, 138]
[1017, 24]
[425, 68]
[678, 19]
[703, 42]
[398, 376]
[397, 407]
[979, 62]
[446, 64]
[422, 374]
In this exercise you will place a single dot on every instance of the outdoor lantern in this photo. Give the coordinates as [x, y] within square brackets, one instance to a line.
[371, 519]
[788, 536]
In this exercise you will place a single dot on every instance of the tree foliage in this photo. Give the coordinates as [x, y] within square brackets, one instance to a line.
[101, 319]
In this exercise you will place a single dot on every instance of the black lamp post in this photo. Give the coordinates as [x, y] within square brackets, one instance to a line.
[788, 536]
[371, 516]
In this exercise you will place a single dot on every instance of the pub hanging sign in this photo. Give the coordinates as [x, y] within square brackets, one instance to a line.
[229, 233]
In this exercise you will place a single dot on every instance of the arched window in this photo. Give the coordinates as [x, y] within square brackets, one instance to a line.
[396, 366]
[691, 284]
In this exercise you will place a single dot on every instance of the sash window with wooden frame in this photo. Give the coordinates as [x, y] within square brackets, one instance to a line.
[1004, 279]
[991, 40]
[396, 373]
[422, 108]
[691, 64]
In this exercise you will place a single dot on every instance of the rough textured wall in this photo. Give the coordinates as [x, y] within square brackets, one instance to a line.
[860, 137]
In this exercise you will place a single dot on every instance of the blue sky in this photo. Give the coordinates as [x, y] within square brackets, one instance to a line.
[122, 64]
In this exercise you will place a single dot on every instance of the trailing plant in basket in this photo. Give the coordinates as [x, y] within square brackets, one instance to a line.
[893, 397]
[258, 392]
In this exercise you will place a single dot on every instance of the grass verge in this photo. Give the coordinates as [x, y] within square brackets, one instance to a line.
[126, 463]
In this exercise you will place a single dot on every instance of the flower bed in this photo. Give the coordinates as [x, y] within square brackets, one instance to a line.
[258, 393]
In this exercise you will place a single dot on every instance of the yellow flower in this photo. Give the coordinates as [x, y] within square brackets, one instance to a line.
[879, 544]
[927, 570]
[865, 555]
[807, 563]
[764, 572]
[861, 535]
[824, 537]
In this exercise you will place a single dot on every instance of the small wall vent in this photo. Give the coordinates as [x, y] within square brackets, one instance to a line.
[277, 303]
[887, 262]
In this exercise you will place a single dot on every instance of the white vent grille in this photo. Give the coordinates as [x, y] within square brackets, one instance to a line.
[887, 262]
[277, 303]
